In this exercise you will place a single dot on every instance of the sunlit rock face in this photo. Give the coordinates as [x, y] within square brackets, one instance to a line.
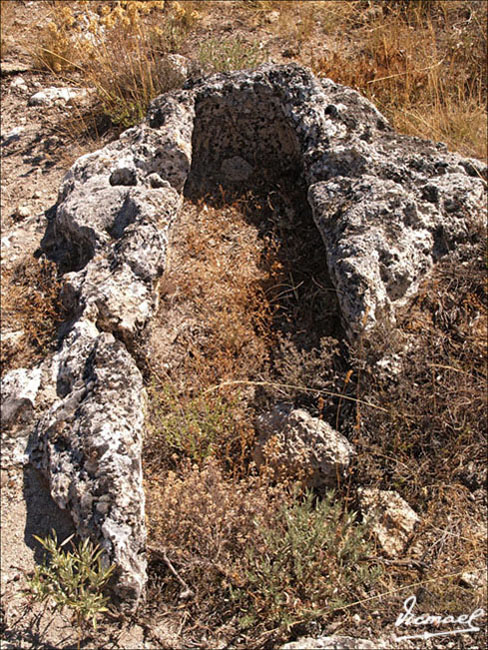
[386, 207]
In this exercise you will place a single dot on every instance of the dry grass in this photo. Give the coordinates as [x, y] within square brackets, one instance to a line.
[251, 308]
[423, 63]
[426, 440]
[31, 312]
[436, 412]
[248, 317]
[7, 17]
[216, 284]
[252, 560]
[119, 49]
[243, 322]
[430, 442]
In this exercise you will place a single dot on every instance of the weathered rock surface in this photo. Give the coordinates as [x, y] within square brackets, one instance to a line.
[341, 643]
[88, 443]
[390, 518]
[19, 390]
[295, 443]
[386, 206]
[54, 95]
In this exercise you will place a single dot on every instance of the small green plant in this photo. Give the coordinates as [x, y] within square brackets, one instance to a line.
[74, 579]
[192, 426]
[308, 561]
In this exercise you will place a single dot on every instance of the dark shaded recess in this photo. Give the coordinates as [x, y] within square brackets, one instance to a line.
[73, 255]
[251, 124]
[125, 217]
[67, 254]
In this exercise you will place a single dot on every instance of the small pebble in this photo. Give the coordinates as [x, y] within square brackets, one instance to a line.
[12, 135]
[22, 211]
[19, 82]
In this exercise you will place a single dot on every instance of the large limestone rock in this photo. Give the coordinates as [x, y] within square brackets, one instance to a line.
[292, 442]
[386, 207]
[88, 443]
[79, 416]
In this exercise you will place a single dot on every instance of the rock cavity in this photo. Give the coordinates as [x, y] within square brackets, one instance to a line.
[386, 206]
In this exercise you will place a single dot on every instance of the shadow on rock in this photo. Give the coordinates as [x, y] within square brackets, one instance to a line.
[43, 515]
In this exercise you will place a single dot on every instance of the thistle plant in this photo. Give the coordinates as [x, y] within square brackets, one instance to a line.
[73, 579]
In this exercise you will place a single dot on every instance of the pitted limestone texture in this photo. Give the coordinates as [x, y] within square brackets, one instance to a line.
[293, 442]
[89, 446]
[386, 208]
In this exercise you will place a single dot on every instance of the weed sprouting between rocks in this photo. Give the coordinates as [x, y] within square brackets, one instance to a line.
[72, 579]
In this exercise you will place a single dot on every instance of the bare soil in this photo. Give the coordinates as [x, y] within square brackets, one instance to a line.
[38, 146]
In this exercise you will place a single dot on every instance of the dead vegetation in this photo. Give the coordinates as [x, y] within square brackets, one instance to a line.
[429, 443]
[250, 340]
[249, 317]
[423, 63]
[244, 320]
[253, 560]
[31, 312]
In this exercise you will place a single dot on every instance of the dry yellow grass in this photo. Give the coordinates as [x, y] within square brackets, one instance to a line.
[425, 67]
[31, 312]
[7, 15]
[423, 63]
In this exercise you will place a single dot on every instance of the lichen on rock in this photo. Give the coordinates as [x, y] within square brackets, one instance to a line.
[386, 206]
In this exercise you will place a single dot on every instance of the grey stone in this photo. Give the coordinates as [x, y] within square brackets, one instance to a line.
[22, 211]
[54, 95]
[387, 207]
[236, 169]
[294, 442]
[12, 136]
[15, 409]
[88, 443]
[178, 65]
[21, 384]
[475, 579]
[19, 82]
[391, 519]
[20, 390]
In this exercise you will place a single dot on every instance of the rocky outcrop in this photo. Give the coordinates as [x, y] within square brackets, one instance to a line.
[89, 442]
[83, 413]
[386, 206]
[293, 443]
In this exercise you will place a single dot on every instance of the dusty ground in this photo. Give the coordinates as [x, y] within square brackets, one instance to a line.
[38, 146]
[35, 156]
